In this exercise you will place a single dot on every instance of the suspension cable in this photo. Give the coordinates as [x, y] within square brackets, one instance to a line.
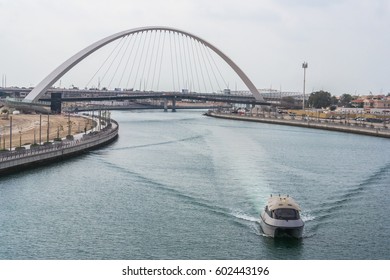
[140, 60]
[159, 72]
[185, 62]
[200, 65]
[177, 63]
[135, 56]
[120, 61]
[104, 62]
[173, 73]
[157, 55]
[216, 66]
[143, 57]
[146, 58]
[128, 58]
[204, 63]
[151, 58]
[181, 62]
[211, 67]
[196, 68]
[112, 62]
[190, 60]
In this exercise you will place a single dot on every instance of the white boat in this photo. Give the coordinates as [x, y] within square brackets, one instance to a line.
[281, 217]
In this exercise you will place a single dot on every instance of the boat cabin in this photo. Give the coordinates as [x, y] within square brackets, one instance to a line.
[282, 208]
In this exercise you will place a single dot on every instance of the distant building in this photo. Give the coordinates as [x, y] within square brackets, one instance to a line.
[377, 104]
[358, 103]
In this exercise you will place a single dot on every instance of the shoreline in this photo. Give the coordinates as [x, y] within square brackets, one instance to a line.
[15, 161]
[355, 129]
[33, 128]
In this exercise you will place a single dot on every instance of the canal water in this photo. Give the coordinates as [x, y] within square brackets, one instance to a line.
[185, 186]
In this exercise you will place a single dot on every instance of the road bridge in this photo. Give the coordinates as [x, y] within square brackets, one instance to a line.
[55, 97]
[191, 61]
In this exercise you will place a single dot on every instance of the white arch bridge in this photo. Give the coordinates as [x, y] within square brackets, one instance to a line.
[180, 65]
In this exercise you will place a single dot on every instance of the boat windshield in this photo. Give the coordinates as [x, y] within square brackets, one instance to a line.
[286, 214]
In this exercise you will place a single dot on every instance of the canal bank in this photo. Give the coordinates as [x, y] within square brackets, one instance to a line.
[15, 161]
[316, 124]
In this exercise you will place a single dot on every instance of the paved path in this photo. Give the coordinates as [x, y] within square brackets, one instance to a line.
[372, 130]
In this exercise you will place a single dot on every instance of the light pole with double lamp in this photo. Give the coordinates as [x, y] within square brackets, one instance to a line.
[304, 66]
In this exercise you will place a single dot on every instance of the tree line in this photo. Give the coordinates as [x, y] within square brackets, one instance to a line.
[322, 99]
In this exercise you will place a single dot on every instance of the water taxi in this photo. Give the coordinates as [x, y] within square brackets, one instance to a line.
[281, 217]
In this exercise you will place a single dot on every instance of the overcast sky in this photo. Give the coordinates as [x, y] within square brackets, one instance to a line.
[345, 42]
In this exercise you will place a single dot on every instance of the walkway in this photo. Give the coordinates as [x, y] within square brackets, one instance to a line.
[20, 159]
[371, 130]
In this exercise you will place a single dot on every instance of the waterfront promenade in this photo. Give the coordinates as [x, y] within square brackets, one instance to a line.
[357, 128]
[17, 160]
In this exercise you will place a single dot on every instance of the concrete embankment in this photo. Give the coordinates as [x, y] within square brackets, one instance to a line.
[19, 160]
[349, 128]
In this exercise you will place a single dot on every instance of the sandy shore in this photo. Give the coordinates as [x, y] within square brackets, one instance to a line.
[26, 127]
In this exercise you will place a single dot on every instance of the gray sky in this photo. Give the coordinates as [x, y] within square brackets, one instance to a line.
[346, 42]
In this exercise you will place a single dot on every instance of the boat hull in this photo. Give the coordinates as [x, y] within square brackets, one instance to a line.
[293, 228]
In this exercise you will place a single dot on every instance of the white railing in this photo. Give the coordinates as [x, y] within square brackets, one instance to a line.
[88, 141]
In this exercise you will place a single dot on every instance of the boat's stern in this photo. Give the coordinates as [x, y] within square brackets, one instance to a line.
[278, 228]
[295, 232]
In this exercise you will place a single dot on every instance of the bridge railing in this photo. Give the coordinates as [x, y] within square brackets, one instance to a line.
[19, 101]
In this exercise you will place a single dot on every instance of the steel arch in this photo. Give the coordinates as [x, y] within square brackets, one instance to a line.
[54, 76]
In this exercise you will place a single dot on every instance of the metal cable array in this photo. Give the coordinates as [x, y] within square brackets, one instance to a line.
[160, 60]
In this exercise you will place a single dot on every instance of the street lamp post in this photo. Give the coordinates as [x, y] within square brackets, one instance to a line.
[10, 133]
[304, 66]
[4, 139]
[69, 125]
[48, 128]
[40, 129]
[20, 137]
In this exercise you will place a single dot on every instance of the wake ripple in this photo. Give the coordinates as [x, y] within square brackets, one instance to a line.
[190, 199]
[353, 193]
[376, 177]
[159, 143]
[236, 216]
[334, 204]
[243, 216]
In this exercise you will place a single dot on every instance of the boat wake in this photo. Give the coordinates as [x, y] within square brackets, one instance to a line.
[337, 202]
[376, 177]
[313, 218]
[185, 196]
[258, 232]
[237, 216]
[327, 209]
[307, 216]
[159, 143]
[243, 216]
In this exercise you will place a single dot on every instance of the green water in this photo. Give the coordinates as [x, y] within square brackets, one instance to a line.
[184, 186]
